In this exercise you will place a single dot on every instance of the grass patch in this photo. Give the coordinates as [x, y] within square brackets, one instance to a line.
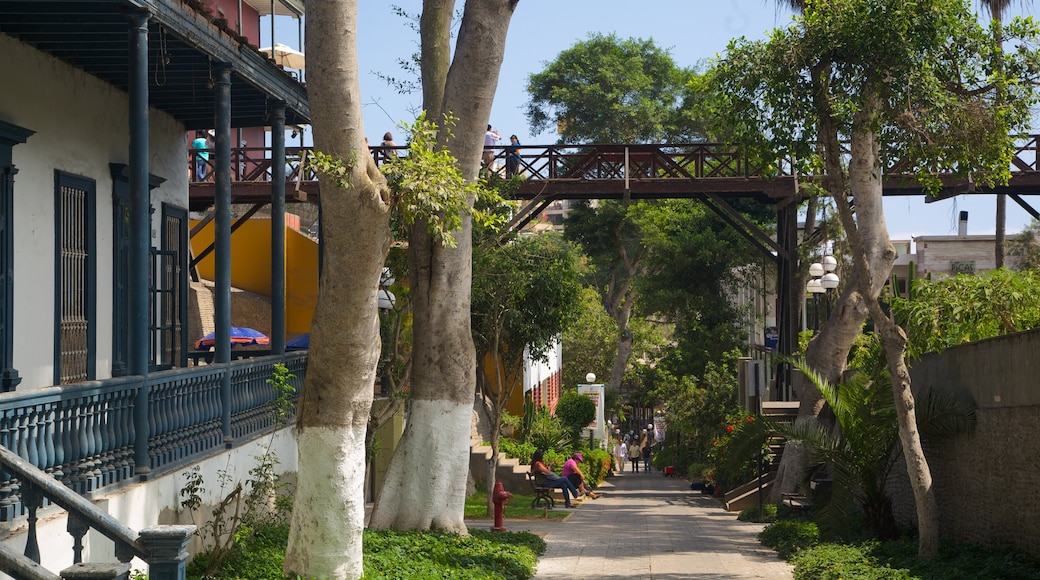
[517, 508]
[393, 554]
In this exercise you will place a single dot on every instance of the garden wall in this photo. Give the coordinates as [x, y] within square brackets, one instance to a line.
[986, 482]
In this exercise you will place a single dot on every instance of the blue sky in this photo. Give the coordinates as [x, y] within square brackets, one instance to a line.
[693, 31]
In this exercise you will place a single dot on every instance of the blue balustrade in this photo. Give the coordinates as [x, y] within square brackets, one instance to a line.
[84, 434]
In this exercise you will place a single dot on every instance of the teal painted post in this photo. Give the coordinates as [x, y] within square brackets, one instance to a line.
[222, 244]
[278, 229]
[140, 234]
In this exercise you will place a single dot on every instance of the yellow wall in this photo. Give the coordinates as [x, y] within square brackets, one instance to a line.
[251, 267]
[515, 404]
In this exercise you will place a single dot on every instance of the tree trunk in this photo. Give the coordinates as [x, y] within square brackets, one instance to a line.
[828, 350]
[426, 482]
[328, 516]
[868, 228]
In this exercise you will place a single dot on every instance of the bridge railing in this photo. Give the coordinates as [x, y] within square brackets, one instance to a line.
[591, 161]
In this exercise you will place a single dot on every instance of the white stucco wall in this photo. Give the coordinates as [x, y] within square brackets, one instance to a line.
[81, 126]
[154, 502]
[536, 371]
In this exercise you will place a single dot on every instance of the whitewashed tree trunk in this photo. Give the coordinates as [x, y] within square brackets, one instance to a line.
[426, 481]
[328, 512]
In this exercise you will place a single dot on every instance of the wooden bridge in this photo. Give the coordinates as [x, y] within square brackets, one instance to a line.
[611, 171]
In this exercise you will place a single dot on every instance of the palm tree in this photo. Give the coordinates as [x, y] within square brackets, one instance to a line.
[859, 455]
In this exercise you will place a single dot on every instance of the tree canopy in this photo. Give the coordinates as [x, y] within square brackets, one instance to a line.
[608, 90]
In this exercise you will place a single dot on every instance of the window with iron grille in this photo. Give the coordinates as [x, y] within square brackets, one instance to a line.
[75, 275]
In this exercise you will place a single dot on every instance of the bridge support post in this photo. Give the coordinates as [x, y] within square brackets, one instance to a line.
[167, 548]
[787, 295]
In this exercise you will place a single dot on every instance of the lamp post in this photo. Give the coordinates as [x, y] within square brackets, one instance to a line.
[823, 280]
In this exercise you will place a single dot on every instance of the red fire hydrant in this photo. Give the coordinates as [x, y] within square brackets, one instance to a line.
[499, 497]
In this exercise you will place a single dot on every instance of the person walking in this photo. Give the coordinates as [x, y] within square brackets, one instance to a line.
[633, 454]
[620, 456]
[200, 148]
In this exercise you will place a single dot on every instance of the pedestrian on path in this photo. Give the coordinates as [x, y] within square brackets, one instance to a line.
[633, 454]
[620, 456]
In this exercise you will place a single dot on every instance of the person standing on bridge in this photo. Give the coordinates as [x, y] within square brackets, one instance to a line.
[490, 138]
[512, 157]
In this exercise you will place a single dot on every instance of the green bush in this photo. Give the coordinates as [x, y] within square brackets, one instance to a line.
[752, 514]
[575, 411]
[842, 562]
[787, 537]
[517, 450]
[547, 432]
[257, 554]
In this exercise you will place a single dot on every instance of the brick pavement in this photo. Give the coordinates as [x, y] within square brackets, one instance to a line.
[651, 527]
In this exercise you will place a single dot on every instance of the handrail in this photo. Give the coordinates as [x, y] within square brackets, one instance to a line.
[51, 488]
[14, 564]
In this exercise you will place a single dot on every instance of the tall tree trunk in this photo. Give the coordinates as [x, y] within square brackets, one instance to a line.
[328, 515]
[828, 350]
[425, 485]
[869, 228]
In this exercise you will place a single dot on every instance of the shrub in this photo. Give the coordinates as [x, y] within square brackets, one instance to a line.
[517, 450]
[547, 432]
[843, 562]
[575, 411]
[752, 514]
[596, 466]
[787, 537]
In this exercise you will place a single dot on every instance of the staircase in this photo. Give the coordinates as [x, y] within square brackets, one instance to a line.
[511, 472]
[747, 495]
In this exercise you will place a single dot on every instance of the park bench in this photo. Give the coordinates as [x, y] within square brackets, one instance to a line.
[542, 491]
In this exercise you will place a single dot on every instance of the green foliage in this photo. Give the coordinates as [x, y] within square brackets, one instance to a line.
[608, 90]
[517, 508]
[764, 516]
[591, 342]
[596, 466]
[698, 407]
[898, 560]
[547, 432]
[525, 293]
[482, 554]
[788, 537]
[259, 555]
[734, 453]
[517, 450]
[840, 562]
[965, 308]
[926, 67]
[575, 411]
[1025, 247]
[428, 186]
[335, 168]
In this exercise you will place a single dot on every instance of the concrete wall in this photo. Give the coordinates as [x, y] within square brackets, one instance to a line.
[155, 502]
[986, 482]
[81, 126]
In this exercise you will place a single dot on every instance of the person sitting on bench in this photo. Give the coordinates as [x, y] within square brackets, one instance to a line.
[553, 480]
[573, 473]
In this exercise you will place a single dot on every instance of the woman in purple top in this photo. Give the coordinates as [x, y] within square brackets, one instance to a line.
[572, 472]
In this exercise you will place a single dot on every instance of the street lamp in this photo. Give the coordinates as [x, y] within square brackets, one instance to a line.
[823, 281]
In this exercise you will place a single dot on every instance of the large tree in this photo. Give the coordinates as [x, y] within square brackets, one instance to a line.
[608, 90]
[897, 79]
[425, 485]
[329, 508]
[525, 293]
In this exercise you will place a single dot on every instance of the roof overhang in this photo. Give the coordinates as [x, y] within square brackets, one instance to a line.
[186, 44]
[292, 8]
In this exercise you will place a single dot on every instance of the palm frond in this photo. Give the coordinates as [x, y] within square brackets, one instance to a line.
[945, 412]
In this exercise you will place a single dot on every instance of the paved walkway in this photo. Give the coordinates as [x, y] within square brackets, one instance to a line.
[647, 526]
